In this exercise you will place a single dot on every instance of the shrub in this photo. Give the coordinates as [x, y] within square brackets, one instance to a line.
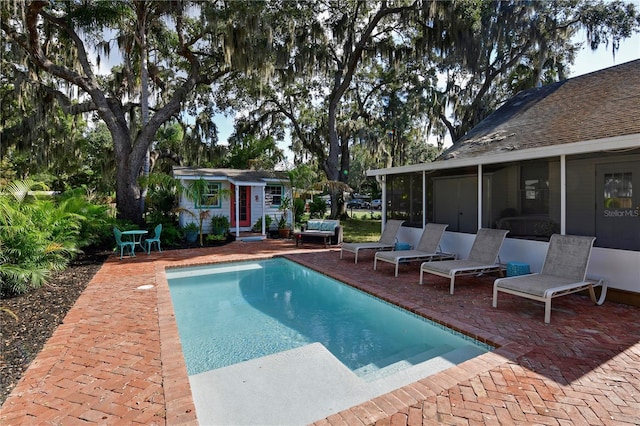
[257, 227]
[96, 223]
[317, 208]
[219, 225]
[298, 209]
[40, 235]
[171, 236]
[35, 238]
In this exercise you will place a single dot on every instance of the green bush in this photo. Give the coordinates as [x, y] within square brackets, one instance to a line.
[171, 236]
[96, 228]
[35, 238]
[219, 225]
[317, 208]
[40, 235]
[298, 209]
[257, 227]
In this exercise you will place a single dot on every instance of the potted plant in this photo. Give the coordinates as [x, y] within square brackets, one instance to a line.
[284, 230]
[191, 232]
[283, 227]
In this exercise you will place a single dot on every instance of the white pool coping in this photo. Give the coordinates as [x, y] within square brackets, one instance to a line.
[297, 387]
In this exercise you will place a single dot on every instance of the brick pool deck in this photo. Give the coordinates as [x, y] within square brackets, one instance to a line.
[117, 359]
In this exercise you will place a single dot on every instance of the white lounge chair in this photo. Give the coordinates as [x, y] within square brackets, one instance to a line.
[563, 272]
[386, 242]
[483, 258]
[428, 248]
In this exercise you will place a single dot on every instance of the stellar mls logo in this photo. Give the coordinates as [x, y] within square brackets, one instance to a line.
[622, 212]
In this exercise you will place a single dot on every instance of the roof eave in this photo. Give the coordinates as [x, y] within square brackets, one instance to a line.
[584, 147]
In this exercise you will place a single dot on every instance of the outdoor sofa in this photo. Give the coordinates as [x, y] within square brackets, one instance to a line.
[325, 231]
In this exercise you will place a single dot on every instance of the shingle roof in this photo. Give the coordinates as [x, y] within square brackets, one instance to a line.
[235, 175]
[593, 106]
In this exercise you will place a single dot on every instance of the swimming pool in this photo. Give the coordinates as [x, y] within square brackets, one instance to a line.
[235, 312]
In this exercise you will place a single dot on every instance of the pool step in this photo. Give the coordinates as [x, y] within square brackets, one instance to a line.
[432, 361]
[410, 356]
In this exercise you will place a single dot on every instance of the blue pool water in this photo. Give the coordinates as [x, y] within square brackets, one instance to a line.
[235, 312]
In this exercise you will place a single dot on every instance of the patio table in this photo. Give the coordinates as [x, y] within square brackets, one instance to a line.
[135, 236]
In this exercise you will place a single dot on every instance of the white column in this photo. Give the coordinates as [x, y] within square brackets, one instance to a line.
[424, 198]
[237, 210]
[264, 220]
[563, 194]
[383, 184]
[479, 196]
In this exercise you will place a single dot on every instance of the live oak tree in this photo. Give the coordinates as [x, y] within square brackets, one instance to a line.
[196, 44]
[332, 40]
[308, 62]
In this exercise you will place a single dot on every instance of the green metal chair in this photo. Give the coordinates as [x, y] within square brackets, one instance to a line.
[123, 244]
[156, 239]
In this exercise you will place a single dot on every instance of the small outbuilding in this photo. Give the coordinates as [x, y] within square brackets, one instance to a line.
[245, 197]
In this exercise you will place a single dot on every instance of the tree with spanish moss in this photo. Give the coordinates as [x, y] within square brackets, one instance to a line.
[189, 46]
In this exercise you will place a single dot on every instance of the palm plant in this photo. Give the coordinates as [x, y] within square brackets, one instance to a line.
[95, 223]
[195, 191]
[36, 237]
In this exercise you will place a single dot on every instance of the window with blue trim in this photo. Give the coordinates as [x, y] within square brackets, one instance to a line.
[211, 197]
[273, 193]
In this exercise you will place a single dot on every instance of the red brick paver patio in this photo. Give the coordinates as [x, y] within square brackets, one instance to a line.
[116, 359]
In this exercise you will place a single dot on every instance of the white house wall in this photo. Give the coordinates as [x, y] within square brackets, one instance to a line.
[186, 218]
[256, 208]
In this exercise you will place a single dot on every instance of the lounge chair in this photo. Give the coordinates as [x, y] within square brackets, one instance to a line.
[563, 272]
[428, 248]
[483, 258]
[386, 242]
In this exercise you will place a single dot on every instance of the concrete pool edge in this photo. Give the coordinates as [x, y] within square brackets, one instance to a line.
[180, 407]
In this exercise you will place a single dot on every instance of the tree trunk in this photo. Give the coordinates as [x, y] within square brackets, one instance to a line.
[144, 95]
[330, 166]
[127, 173]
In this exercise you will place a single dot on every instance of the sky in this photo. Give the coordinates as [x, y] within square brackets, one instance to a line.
[588, 61]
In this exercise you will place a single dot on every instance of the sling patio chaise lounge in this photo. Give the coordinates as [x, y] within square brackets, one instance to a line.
[484, 257]
[386, 242]
[563, 272]
[428, 248]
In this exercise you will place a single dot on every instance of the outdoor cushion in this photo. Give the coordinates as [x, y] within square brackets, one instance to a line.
[328, 226]
[314, 225]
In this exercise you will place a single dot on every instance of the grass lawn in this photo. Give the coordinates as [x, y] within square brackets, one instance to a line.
[359, 231]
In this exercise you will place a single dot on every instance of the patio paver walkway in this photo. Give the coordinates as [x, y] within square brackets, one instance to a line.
[116, 359]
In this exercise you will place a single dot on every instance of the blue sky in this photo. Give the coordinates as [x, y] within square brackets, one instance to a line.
[588, 61]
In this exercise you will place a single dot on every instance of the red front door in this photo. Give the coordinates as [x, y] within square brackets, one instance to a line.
[245, 206]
